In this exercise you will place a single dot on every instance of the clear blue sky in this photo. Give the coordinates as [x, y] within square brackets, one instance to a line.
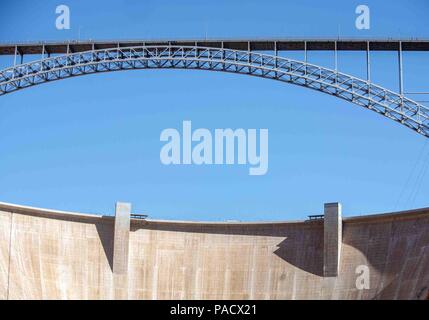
[81, 144]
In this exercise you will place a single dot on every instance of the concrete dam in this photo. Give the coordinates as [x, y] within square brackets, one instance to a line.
[47, 254]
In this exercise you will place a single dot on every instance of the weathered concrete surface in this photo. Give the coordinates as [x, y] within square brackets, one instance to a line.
[121, 238]
[5, 231]
[56, 255]
[121, 244]
[333, 226]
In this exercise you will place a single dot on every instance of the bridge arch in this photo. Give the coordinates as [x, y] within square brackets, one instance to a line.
[360, 92]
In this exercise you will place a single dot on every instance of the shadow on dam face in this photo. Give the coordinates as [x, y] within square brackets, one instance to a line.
[396, 247]
[105, 227]
[303, 250]
[309, 260]
[105, 232]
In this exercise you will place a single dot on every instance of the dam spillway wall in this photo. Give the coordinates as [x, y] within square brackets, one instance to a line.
[48, 254]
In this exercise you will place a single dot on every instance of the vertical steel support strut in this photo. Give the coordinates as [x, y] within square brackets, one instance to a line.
[401, 81]
[336, 57]
[43, 57]
[14, 57]
[305, 52]
[336, 66]
[14, 61]
[368, 72]
[68, 52]
[368, 63]
[275, 51]
[248, 56]
[276, 54]
[305, 59]
[223, 54]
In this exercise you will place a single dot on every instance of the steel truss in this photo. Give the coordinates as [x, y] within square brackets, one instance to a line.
[361, 92]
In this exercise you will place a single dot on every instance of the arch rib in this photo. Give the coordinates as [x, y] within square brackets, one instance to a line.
[361, 92]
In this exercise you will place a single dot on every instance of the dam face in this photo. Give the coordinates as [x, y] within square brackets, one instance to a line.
[55, 255]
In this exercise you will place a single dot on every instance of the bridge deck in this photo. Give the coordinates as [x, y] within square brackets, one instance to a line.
[238, 44]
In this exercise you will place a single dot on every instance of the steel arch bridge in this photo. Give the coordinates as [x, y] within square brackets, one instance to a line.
[358, 91]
